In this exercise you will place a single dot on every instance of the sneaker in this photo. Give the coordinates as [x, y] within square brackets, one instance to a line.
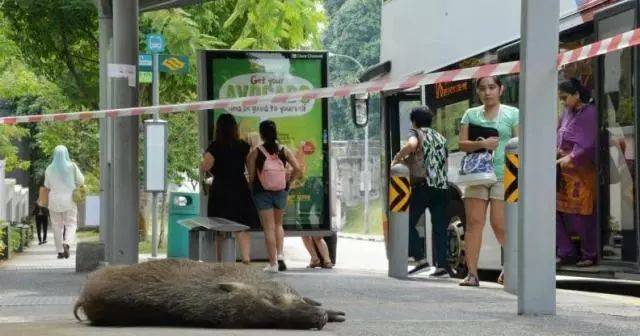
[441, 272]
[60, 255]
[271, 268]
[421, 266]
[281, 265]
[66, 251]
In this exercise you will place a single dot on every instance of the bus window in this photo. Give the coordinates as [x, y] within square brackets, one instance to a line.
[405, 122]
[448, 122]
[616, 100]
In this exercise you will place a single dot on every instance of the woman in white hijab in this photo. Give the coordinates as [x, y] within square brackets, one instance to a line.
[61, 178]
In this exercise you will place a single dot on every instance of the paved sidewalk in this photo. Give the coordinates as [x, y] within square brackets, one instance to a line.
[37, 292]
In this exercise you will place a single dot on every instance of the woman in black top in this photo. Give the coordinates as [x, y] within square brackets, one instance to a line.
[230, 197]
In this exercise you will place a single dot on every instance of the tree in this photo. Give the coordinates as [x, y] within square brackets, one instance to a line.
[354, 30]
[59, 41]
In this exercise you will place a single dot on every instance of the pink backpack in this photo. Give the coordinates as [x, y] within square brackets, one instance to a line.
[273, 175]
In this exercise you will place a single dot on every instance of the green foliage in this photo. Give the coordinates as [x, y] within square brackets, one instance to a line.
[58, 39]
[15, 239]
[354, 30]
[274, 24]
[8, 151]
[53, 46]
[3, 232]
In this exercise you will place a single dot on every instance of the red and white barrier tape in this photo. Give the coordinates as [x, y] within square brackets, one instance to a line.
[618, 42]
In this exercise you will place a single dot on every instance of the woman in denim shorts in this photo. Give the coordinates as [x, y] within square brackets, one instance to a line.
[271, 204]
[477, 198]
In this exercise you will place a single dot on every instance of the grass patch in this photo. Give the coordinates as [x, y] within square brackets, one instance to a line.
[87, 236]
[145, 247]
[355, 218]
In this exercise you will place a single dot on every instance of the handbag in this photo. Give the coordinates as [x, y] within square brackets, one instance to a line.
[80, 192]
[477, 168]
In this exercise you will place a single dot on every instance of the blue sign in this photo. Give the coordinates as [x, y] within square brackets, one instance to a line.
[155, 43]
[145, 62]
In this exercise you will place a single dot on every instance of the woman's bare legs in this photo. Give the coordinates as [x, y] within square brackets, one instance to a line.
[268, 225]
[244, 238]
[308, 244]
[497, 220]
[278, 215]
[475, 210]
[323, 249]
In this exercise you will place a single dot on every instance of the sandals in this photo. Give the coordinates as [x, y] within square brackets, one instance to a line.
[327, 265]
[314, 264]
[470, 281]
[585, 263]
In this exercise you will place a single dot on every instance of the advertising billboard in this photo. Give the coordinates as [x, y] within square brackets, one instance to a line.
[302, 124]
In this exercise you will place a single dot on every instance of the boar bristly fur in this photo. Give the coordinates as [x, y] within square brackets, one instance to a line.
[190, 293]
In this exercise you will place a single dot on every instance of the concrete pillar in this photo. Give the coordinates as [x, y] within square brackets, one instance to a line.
[399, 191]
[105, 23]
[125, 136]
[537, 178]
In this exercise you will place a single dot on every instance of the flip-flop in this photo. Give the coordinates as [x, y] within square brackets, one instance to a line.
[470, 281]
[585, 263]
[315, 264]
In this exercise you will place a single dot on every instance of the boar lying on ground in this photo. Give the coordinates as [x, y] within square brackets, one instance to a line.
[190, 293]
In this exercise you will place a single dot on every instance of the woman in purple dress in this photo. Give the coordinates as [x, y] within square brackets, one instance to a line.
[576, 193]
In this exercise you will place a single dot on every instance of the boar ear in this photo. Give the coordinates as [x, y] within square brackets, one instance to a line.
[233, 286]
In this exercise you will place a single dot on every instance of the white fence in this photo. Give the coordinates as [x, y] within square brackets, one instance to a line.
[14, 199]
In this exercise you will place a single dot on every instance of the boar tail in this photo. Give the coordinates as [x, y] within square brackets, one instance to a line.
[77, 306]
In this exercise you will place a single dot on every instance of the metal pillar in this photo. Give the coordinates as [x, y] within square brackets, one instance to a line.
[105, 23]
[125, 131]
[538, 101]
[399, 192]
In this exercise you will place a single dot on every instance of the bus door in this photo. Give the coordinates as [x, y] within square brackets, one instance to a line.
[617, 97]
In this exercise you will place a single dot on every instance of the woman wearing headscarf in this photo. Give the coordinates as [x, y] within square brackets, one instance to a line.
[61, 178]
[575, 197]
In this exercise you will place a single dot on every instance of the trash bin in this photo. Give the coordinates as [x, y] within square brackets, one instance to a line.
[181, 206]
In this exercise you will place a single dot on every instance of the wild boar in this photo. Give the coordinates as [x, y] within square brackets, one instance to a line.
[190, 293]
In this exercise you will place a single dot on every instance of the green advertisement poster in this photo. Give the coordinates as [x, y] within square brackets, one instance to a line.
[301, 124]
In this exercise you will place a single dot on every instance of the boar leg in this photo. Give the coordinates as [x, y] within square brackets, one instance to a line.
[335, 315]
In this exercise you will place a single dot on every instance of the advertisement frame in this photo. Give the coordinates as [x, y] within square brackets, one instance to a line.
[206, 119]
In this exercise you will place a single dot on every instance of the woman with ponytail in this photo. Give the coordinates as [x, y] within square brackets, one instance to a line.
[266, 165]
[576, 164]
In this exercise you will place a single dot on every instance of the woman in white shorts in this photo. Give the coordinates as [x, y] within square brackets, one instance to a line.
[477, 198]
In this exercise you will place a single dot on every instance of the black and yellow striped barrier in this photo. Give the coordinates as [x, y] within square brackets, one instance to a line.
[511, 191]
[399, 193]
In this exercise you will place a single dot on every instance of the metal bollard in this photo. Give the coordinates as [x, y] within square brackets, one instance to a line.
[511, 195]
[399, 193]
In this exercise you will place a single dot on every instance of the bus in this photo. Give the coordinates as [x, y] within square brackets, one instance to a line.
[428, 36]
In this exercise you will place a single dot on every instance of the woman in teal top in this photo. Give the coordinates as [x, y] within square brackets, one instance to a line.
[476, 198]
